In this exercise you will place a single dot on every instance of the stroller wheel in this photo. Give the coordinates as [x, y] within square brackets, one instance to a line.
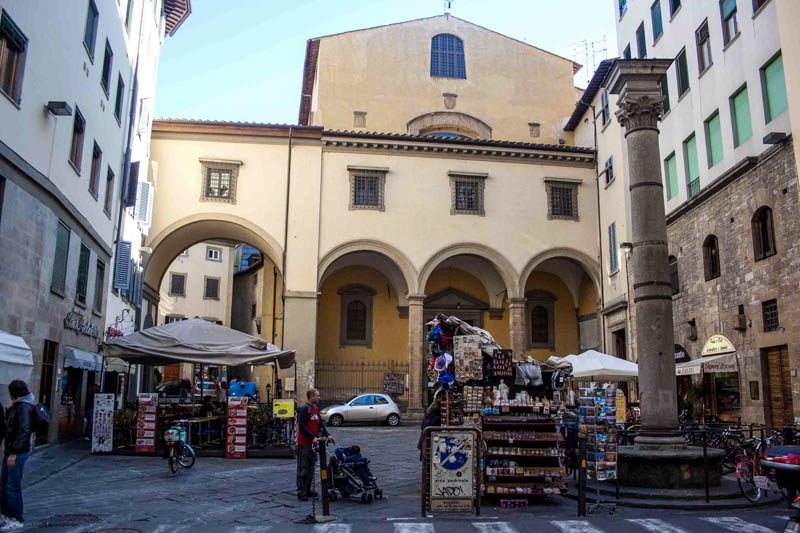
[369, 497]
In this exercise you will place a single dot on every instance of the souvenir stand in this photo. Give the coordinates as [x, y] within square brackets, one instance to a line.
[513, 403]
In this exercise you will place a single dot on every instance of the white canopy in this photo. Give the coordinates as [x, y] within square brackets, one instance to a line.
[591, 365]
[16, 362]
[77, 358]
[725, 362]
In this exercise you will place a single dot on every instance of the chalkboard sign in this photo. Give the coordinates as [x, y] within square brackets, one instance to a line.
[394, 383]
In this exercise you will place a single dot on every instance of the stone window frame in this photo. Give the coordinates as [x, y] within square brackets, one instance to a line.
[347, 295]
[205, 287]
[219, 255]
[225, 165]
[172, 318]
[379, 174]
[546, 299]
[769, 315]
[477, 178]
[185, 280]
[570, 183]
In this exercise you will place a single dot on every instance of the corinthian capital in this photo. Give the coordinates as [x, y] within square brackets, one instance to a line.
[639, 112]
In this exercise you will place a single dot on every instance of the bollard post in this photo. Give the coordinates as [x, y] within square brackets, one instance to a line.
[705, 464]
[581, 476]
[323, 474]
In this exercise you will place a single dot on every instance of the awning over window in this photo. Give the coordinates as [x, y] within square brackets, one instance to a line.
[77, 358]
[715, 363]
[14, 349]
[115, 364]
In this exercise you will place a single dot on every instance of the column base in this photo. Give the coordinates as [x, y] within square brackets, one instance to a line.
[415, 413]
[668, 468]
[659, 441]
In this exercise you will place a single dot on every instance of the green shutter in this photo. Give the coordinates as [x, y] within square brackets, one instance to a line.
[672, 177]
[59, 280]
[741, 117]
[664, 85]
[692, 169]
[612, 247]
[714, 141]
[728, 7]
[775, 88]
[683, 73]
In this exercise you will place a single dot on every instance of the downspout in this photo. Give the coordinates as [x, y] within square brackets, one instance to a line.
[599, 229]
[286, 237]
[274, 301]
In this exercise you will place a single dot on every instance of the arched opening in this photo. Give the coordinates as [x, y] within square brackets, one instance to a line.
[711, 265]
[763, 233]
[447, 57]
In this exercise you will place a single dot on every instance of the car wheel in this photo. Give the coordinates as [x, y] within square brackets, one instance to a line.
[336, 420]
[393, 419]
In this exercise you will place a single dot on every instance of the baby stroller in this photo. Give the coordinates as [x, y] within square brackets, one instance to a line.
[350, 476]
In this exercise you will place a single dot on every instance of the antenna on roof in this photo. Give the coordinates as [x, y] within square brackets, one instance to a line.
[593, 52]
[447, 5]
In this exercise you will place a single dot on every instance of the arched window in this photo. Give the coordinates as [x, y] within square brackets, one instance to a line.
[763, 233]
[355, 327]
[673, 274]
[356, 321]
[539, 325]
[447, 57]
[711, 257]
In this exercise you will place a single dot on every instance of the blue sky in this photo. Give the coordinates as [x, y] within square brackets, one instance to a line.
[243, 59]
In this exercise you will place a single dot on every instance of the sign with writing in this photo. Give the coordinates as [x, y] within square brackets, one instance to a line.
[725, 364]
[716, 345]
[146, 422]
[103, 423]
[394, 383]
[236, 444]
[687, 370]
[681, 355]
[621, 406]
[283, 409]
[76, 322]
[452, 485]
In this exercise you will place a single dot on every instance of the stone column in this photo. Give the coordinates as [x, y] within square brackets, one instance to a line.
[516, 324]
[640, 106]
[415, 354]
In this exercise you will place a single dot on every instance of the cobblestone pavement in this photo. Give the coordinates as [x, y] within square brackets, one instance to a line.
[131, 494]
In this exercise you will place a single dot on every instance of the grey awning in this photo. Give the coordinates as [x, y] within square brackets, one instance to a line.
[77, 358]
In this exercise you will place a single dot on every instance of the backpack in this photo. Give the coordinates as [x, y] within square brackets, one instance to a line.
[40, 419]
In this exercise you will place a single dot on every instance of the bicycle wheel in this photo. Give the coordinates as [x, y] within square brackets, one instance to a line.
[187, 458]
[173, 462]
[745, 475]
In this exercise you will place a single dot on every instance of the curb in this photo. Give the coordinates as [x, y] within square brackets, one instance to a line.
[725, 504]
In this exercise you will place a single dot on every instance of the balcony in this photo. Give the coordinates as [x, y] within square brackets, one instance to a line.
[693, 187]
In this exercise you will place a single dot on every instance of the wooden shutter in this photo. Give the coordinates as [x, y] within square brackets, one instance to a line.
[612, 247]
[122, 261]
[144, 200]
[59, 279]
[177, 284]
[212, 288]
[83, 275]
[780, 386]
[129, 198]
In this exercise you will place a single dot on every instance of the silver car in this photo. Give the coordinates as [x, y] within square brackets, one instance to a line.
[363, 408]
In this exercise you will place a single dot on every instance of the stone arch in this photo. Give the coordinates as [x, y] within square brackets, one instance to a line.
[590, 265]
[200, 227]
[395, 265]
[502, 265]
[469, 125]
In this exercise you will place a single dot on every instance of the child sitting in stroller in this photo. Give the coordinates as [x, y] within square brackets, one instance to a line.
[351, 475]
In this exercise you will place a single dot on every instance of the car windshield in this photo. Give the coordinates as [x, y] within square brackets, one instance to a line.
[351, 399]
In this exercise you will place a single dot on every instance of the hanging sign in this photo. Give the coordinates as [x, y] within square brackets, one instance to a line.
[146, 422]
[103, 423]
[451, 473]
[716, 345]
[681, 356]
[236, 444]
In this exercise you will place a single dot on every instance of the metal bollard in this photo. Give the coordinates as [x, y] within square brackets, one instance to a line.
[323, 474]
[581, 476]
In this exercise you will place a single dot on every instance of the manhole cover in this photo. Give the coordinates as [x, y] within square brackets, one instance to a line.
[66, 520]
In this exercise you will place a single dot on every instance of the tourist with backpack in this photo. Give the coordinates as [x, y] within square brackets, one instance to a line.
[20, 422]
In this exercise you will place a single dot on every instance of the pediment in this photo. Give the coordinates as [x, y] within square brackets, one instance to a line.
[454, 299]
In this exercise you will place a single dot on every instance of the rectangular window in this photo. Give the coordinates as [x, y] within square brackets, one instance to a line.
[758, 4]
[673, 7]
[109, 192]
[703, 47]
[99, 286]
[682, 70]
[218, 183]
[562, 200]
[671, 172]
[655, 16]
[641, 46]
[171, 319]
[177, 284]
[663, 84]
[128, 15]
[613, 261]
[118, 102]
[692, 168]
[623, 7]
[13, 47]
[740, 113]
[213, 254]
[94, 178]
[253, 311]
[219, 180]
[466, 194]
[730, 20]
[773, 87]
[58, 283]
[211, 288]
[604, 110]
[90, 31]
[609, 170]
[76, 147]
[769, 311]
[108, 62]
[627, 52]
[713, 139]
[367, 187]
[83, 275]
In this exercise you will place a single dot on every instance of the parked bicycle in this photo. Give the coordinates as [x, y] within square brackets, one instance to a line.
[180, 452]
[752, 479]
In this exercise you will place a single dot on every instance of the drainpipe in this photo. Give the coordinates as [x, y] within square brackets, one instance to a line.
[286, 236]
[274, 300]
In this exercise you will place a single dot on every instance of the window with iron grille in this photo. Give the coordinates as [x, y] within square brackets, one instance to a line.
[356, 316]
[13, 48]
[83, 275]
[58, 283]
[769, 311]
[447, 57]
[562, 200]
[177, 284]
[211, 291]
[367, 187]
[466, 194]
[99, 286]
[540, 307]
[219, 180]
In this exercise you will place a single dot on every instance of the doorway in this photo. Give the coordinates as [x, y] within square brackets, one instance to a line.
[620, 346]
[781, 409]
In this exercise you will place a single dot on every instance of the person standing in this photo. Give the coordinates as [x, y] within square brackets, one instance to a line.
[309, 428]
[18, 445]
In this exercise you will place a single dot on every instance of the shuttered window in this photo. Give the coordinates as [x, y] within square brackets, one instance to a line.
[671, 171]
[177, 284]
[83, 275]
[58, 283]
[613, 260]
[99, 286]
[740, 112]
[211, 288]
[682, 69]
[692, 168]
[655, 15]
[714, 140]
[122, 269]
[132, 186]
[774, 88]
[144, 208]
[663, 84]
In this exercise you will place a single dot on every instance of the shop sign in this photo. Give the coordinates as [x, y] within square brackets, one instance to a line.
[236, 443]
[687, 371]
[726, 364]
[394, 383]
[103, 423]
[76, 322]
[146, 423]
[716, 345]
[451, 473]
[681, 356]
[282, 408]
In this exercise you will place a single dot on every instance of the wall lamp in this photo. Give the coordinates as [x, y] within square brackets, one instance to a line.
[626, 247]
[59, 108]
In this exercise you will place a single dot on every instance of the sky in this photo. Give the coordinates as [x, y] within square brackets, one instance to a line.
[242, 60]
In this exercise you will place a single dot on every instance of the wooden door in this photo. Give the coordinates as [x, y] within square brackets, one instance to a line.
[780, 386]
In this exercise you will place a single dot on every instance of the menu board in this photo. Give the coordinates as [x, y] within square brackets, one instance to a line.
[103, 423]
[236, 443]
[468, 358]
[393, 383]
[146, 422]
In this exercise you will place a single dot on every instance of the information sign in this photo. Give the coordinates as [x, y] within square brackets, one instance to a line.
[146, 422]
[236, 444]
[394, 383]
[282, 408]
[103, 423]
[452, 487]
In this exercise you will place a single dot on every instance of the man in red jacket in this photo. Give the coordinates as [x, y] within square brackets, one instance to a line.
[309, 428]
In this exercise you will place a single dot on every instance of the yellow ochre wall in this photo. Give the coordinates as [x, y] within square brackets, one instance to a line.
[587, 301]
[389, 331]
[566, 322]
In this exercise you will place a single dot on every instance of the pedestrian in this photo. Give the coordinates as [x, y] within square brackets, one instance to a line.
[222, 393]
[432, 417]
[309, 428]
[18, 444]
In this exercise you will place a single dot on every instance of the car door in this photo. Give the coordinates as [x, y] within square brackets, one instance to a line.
[361, 409]
[382, 407]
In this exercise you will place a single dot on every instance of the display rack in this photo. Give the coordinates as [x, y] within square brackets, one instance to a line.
[597, 422]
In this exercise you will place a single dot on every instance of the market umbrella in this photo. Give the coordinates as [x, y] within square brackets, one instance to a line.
[593, 364]
[196, 341]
